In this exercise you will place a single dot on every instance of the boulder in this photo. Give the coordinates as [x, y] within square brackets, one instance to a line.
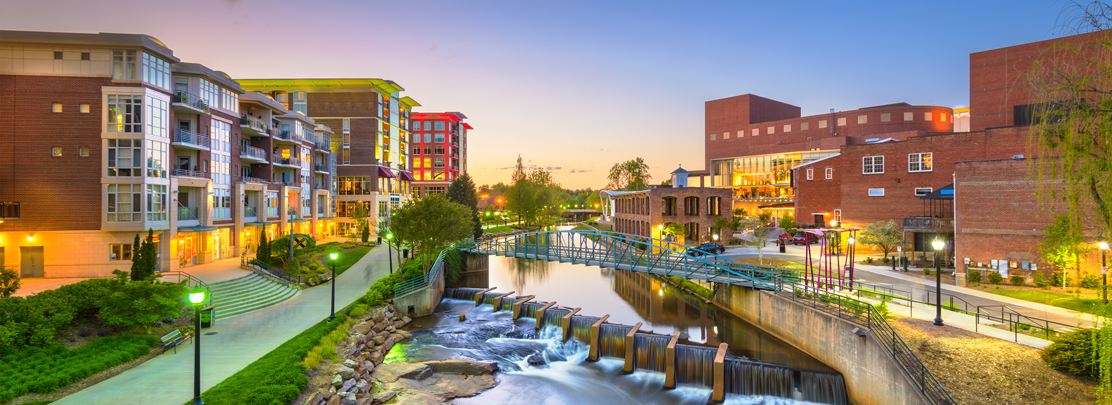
[397, 337]
[535, 360]
[406, 319]
[345, 372]
[385, 348]
[349, 363]
[384, 397]
[369, 366]
[348, 399]
[315, 399]
[379, 326]
[363, 386]
[348, 384]
[362, 328]
[463, 367]
[337, 381]
[399, 324]
[378, 316]
[335, 400]
[376, 358]
[391, 329]
[405, 333]
[378, 339]
[391, 372]
[462, 317]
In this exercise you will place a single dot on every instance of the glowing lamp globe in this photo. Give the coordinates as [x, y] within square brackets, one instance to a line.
[334, 255]
[938, 244]
[390, 236]
[197, 296]
[1103, 245]
[851, 240]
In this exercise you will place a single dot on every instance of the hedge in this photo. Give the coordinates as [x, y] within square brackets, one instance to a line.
[44, 370]
[1073, 353]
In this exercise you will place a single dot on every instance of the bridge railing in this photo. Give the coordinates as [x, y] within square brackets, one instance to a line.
[422, 281]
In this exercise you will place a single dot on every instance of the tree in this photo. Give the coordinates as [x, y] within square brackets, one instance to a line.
[142, 303]
[666, 182]
[674, 230]
[765, 218]
[431, 224]
[462, 191]
[629, 175]
[150, 253]
[740, 212]
[593, 199]
[788, 222]
[365, 234]
[280, 248]
[137, 259]
[359, 214]
[759, 239]
[1064, 245]
[262, 252]
[884, 235]
[9, 282]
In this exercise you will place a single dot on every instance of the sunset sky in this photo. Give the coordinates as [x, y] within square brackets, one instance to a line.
[575, 86]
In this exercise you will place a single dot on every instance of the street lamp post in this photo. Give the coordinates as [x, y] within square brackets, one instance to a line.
[332, 256]
[197, 297]
[938, 246]
[1104, 270]
[390, 251]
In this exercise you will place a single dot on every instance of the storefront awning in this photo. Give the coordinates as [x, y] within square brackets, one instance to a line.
[780, 205]
[255, 224]
[944, 193]
[197, 229]
[298, 221]
[384, 172]
[407, 176]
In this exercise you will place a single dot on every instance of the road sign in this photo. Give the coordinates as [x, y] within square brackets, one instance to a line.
[899, 249]
[300, 242]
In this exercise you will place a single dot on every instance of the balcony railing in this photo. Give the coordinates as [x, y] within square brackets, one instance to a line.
[252, 151]
[189, 173]
[254, 123]
[321, 168]
[290, 183]
[287, 161]
[249, 179]
[323, 146]
[928, 224]
[282, 134]
[249, 212]
[191, 138]
[187, 214]
[191, 100]
[9, 210]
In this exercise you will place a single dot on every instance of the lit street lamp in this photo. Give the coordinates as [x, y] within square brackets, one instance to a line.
[197, 297]
[390, 251]
[938, 246]
[332, 256]
[1104, 270]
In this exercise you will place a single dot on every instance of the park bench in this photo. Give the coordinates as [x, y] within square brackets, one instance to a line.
[173, 339]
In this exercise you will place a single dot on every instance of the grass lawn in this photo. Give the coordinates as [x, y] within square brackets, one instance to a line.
[1067, 301]
[43, 370]
[348, 259]
[787, 264]
[500, 229]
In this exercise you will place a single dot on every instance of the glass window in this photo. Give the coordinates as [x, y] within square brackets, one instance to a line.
[123, 202]
[229, 100]
[125, 157]
[876, 192]
[416, 137]
[158, 159]
[439, 138]
[428, 125]
[125, 113]
[156, 202]
[438, 162]
[438, 125]
[221, 203]
[922, 191]
[156, 71]
[872, 164]
[438, 150]
[908, 116]
[919, 162]
[210, 92]
[829, 173]
[347, 125]
[271, 204]
[119, 251]
[123, 65]
[810, 174]
[157, 118]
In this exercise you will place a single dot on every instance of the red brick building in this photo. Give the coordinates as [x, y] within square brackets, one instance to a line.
[645, 212]
[439, 150]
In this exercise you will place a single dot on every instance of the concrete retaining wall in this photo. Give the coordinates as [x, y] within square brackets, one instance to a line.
[872, 376]
[424, 301]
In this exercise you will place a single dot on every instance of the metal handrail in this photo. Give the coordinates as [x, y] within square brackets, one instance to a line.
[422, 281]
[192, 138]
[189, 173]
[287, 161]
[191, 100]
[187, 213]
[249, 179]
[278, 273]
[192, 281]
[282, 134]
[248, 150]
[255, 123]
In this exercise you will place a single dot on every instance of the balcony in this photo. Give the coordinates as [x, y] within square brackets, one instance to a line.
[287, 162]
[287, 183]
[187, 214]
[283, 136]
[249, 179]
[252, 126]
[249, 213]
[321, 168]
[322, 146]
[191, 140]
[187, 103]
[252, 154]
[928, 224]
[9, 211]
[190, 173]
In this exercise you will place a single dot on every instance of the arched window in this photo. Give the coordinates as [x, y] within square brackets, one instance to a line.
[691, 206]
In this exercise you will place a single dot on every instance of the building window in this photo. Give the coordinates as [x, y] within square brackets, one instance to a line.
[123, 202]
[886, 117]
[872, 165]
[842, 122]
[221, 203]
[85, 56]
[922, 191]
[838, 216]
[123, 65]
[438, 162]
[58, 55]
[771, 130]
[156, 202]
[942, 117]
[347, 125]
[711, 135]
[876, 192]
[56, 107]
[919, 162]
[156, 71]
[56, 151]
[741, 134]
[862, 119]
[119, 251]
[725, 135]
[210, 92]
[829, 173]
[416, 138]
[803, 126]
[158, 120]
[438, 138]
[84, 109]
[124, 157]
[909, 116]
[158, 159]
[438, 126]
[927, 116]
[125, 113]
[810, 173]
[822, 123]
[271, 204]
[787, 128]
[354, 185]
[438, 150]
[229, 100]
[83, 151]
[756, 131]
[347, 155]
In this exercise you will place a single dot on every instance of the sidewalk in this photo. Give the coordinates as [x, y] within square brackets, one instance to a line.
[233, 343]
[30, 286]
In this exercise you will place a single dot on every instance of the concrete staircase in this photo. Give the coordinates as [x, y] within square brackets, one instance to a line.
[246, 294]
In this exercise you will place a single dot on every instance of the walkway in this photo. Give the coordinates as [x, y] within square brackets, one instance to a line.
[168, 379]
[217, 271]
[34, 285]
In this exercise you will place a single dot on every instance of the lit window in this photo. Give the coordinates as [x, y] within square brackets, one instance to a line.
[84, 108]
[56, 151]
[810, 174]
[908, 116]
[872, 165]
[119, 251]
[740, 134]
[886, 117]
[920, 162]
[771, 130]
[125, 113]
[787, 128]
[927, 116]
[838, 216]
[123, 202]
[56, 107]
[83, 151]
[876, 192]
[124, 157]
[829, 173]
[756, 131]
[922, 191]
[862, 119]
[942, 117]
[725, 135]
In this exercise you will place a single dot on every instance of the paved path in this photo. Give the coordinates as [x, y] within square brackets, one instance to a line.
[34, 285]
[884, 275]
[168, 379]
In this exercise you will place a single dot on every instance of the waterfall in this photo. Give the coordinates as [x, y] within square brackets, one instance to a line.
[461, 293]
[529, 309]
[612, 340]
[823, 387]
[581, 327]
[695, 365]
[554, 317]
[648, 351]
[507, 304]
[488, 298]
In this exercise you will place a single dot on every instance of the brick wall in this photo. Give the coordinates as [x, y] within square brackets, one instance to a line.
[343, 105]
[998, 216]
[819, 195]
[56, 193]
[646, 210]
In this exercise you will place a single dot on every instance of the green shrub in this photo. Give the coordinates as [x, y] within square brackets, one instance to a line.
[973, 276]
[994, 277]
[927, 271]
[280, 248]
[1090, 281]
[695, 288]
[9, 281]
[1073, 353]
[885, 260]
[869, 260]
[45, 369]
[1040, 280]
[454, 265]
[1017, 280]
[1056, 279]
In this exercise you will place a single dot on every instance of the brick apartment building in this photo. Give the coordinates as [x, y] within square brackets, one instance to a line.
[439, 150]
[975, 190]
[109, 135]
[644, 212]
[372, 160]
[752, 143]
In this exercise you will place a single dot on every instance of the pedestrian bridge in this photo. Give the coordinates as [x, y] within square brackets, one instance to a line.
[628, 252]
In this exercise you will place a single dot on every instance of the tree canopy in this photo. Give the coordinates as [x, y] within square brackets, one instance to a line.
[629, 175]
[533, 193]
[884, 235]
[431, 224]
[462, 191]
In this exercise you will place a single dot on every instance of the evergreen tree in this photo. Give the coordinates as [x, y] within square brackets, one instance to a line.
[462, 191]
[137, 259]
[150, 254]
[261, 253]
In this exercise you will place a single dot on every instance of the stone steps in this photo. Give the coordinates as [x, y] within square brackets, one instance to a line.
[247, 294]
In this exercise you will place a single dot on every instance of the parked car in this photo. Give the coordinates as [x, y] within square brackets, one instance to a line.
[803, 238]
[706, 248]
